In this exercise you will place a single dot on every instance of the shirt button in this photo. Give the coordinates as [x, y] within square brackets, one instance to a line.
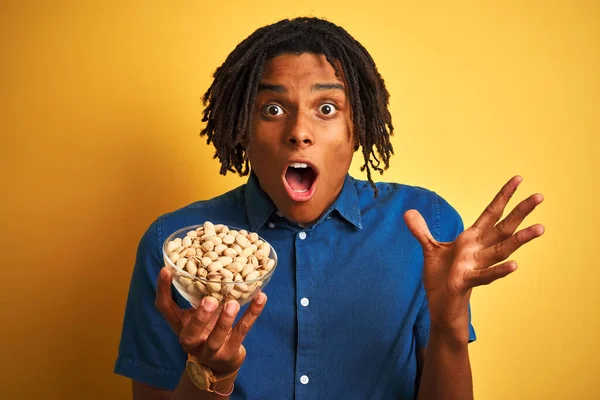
[302, 235]
[304, 379]
[279, 214]
[271, 225]
[304, 301]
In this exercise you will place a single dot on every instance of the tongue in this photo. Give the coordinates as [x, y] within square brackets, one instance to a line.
[300, 178]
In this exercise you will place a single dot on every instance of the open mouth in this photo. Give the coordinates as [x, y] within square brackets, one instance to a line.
[300, 179]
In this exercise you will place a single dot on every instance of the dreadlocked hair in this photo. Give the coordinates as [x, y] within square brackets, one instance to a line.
[230, 99]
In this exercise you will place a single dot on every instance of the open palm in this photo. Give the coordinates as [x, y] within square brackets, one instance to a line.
[452, 269]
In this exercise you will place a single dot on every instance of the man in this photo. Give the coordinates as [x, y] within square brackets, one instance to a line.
[370, 299]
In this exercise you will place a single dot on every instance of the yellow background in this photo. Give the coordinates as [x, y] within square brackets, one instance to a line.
[99, 117]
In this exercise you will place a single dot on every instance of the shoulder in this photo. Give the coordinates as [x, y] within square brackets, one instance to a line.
[394, 199]
[396, 193]
[226, 208]
[231, 200]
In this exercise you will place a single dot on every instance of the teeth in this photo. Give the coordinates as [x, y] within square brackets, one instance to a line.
[298, 165]
[301, 191]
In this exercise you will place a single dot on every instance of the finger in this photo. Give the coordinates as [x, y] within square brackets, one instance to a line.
[222, 328]
[245, 323]
[502, 250]
[493, 212]
[486, 276]
[418, 227]
[191, 334]
[509, 225]
[164, 300]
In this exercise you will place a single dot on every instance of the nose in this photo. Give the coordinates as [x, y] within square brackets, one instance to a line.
[300, 132]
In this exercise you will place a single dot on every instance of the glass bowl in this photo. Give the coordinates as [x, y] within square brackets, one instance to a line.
[215, 274]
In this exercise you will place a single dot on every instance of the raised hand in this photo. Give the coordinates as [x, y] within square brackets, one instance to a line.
[452, 269]
[206, 333]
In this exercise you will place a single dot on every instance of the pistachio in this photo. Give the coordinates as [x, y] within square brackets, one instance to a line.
[191, 267]
[215, 239]
[247, 252]
[214, 286]
[185, 281]
[208, 226]
[252, 276]
[247, 269]
[270, 264]
[215, 266]
[229, 252]
[225, 260]
[171, 246]
[228, 239]
[217, 296]
[201, 287]
[208, 246]
[235, 267]
[220, 248]
[253, 237]
[242, 241]
[242, 287]
[181, 263]
[241, 260]
[226, 286]
[226, 274]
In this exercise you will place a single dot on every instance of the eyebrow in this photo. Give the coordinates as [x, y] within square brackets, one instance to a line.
[316, 87]
[327, 86]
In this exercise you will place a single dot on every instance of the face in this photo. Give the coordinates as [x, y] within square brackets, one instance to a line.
[301, 142]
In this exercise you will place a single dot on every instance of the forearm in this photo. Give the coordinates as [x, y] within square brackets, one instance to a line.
[188, 391]
[447, 371]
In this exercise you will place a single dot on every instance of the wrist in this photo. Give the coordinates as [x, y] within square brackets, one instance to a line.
[456, 336]
[203, 377]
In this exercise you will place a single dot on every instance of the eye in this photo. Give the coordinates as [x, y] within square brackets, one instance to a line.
[327, 109]
[273, 110]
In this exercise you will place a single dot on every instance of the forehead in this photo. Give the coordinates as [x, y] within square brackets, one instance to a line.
[292, 69]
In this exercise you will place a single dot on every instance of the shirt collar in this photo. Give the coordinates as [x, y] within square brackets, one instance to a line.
[347, 203]
[260, 207]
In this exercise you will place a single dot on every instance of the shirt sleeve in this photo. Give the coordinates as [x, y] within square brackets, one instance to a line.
[149, 350]
[446, 225]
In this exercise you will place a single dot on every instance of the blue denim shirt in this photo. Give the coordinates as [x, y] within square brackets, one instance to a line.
[346, 310]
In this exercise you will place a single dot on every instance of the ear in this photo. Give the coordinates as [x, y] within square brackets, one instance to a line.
[244, 144]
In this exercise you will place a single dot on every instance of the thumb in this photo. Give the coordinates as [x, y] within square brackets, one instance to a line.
[418, 227]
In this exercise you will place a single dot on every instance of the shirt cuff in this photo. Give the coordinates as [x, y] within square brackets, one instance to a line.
[148, 374]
